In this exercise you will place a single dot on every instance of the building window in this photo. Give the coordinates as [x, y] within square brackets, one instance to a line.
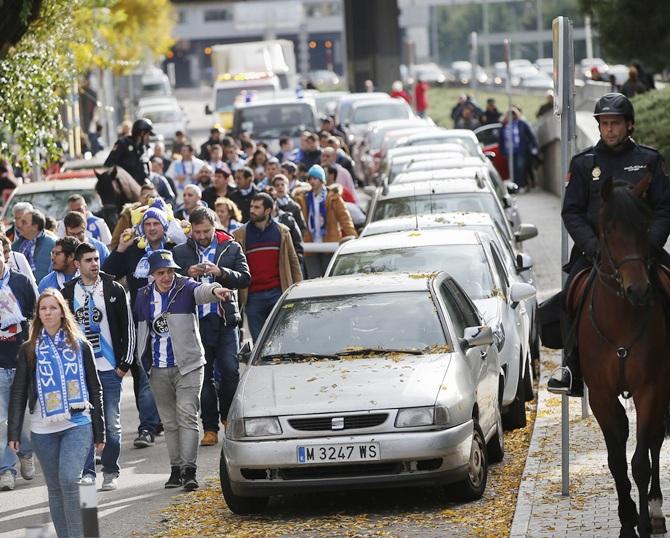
[216, 15]
[181, 16]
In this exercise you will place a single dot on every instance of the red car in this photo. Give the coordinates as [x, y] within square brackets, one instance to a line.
[488, 137]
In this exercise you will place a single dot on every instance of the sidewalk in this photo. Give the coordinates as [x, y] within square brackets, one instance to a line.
[591, 508]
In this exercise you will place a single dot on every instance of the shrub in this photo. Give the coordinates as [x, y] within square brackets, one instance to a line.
[651, 125]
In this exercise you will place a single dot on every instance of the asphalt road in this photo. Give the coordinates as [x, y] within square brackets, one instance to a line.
[134, 509]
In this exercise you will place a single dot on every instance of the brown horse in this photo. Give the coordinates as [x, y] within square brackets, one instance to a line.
[623, 347]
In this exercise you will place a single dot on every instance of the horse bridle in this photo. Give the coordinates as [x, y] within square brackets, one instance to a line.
[616, 273]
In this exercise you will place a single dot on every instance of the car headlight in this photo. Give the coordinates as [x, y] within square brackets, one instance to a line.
[422, 416]
[253, 427]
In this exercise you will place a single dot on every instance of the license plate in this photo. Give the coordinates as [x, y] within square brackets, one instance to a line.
[338, 453]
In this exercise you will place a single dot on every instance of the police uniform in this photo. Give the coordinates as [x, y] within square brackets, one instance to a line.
[132, 157]
[581, 205]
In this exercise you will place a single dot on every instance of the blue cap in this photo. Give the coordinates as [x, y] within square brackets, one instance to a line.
[160, 259]
[317, 171]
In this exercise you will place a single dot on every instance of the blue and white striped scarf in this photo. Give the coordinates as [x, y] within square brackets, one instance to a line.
[61, 381]
[316, 219]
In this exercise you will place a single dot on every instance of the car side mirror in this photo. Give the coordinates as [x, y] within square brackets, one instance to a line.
[525, 232]
[523, 262]
[512, 188]
[208, 110]
[476, 336]
[245, 353]
[370, 190]
[520, 291]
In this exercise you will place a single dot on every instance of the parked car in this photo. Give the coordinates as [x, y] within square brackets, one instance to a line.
[474, 260]
[545, 65]
[50, 197]
[402, 389]
[489, 137]
[165, 114]
[326, 102]
[462, 73]
[343, 112]
[437, 136]
[365, 112]
[269, 120]
[428, 72]
[398, 158]
[323, 78]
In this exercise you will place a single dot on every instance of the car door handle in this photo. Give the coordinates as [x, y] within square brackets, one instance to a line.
[483, 354]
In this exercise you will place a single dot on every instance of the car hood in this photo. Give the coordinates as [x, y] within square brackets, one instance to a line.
[344, 385]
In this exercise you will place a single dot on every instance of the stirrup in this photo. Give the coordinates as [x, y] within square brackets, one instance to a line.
[558, 374]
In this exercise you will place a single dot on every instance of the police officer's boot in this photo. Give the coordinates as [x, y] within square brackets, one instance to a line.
[568, 378]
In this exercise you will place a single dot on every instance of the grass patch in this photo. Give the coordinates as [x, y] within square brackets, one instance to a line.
[442, 100]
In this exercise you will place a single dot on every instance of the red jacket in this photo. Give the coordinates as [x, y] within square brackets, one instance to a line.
[421, 96]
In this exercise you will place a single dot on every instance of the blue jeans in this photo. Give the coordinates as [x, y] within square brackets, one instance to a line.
[222, 367]
[258, 308]
[111, 399]
[7, 456]
[62, 456]
[146, 405]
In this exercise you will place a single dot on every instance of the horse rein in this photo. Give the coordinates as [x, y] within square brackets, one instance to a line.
[622, 352]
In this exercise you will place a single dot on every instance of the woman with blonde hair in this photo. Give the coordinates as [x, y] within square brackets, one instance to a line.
[57, 378]
[229, 214]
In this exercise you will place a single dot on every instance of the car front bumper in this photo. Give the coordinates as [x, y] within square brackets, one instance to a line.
[419, 458]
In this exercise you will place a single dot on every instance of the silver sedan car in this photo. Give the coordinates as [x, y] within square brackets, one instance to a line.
[366, 381]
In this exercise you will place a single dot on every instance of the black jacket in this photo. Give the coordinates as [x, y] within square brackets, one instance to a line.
[123, 264]
[232, 261]
[209, 195]
[581, 205]
[24, 391]
[244, 201]
[285, 218]
[293, 209]
[132, 157]
[121, 326]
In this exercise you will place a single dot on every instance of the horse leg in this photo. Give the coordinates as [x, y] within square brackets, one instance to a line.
[655, 495]
[611, 417]
[649, 420]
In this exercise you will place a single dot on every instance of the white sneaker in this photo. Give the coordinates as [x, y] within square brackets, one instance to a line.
[109, 482]
[7, 481]
[87, 479]
[27, 467]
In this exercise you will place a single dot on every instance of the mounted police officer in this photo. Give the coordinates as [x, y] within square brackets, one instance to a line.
[132, 152]
[618, 156]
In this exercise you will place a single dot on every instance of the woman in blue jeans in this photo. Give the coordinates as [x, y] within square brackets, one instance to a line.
[56, 377]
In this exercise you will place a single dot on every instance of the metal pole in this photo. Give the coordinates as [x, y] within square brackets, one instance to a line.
[473, 59]
[88, 501]
[588, 36]
[485, 32]
[508, 89]
[540, 43]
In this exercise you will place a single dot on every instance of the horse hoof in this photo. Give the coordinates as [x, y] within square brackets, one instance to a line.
[628, 532]
[658, 525]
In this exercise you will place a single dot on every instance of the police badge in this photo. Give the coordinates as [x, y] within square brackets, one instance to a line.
[596, 173]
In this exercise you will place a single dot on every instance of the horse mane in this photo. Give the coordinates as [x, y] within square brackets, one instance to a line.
[622, 206]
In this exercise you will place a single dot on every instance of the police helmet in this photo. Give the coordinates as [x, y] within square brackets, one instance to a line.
[142, 125]
[614, 103]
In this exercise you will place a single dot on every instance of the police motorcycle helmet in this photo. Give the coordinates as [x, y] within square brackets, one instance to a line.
[141, 126]
[614, 103]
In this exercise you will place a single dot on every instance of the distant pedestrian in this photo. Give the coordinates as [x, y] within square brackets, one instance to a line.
[62, 261]
[170, 350]
[75, 226]
[245, 192]
[421, 97]
[95, 226]
[523, 145]
[633, 85]
[491, 113]
[65, 402]
[399, 92]
[468, 118]
[34, 243]
[102, 311]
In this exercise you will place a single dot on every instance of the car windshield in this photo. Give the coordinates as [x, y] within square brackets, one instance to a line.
[439, 203]
[273, 121]
[330, 325]
[53, 203]
[162, 116]
[382, 111]
[225, 97]
[469, 144]
[155, 89]
[466, 263]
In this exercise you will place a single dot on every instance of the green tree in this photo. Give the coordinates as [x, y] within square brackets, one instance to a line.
[630, 29]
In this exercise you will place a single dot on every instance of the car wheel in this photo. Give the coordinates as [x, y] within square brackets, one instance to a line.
[238, 505]
[496, 445]
[515, 414]
[528, 381]
[472, 486]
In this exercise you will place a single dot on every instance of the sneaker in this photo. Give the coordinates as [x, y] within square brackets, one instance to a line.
[87, 480]
[209, 439]
[98, 459]
[189, 482]
[144, 439]
[175, 478]
[159, 430]
[7, 481]
[563, 382]
[27, 467]
[109, 482]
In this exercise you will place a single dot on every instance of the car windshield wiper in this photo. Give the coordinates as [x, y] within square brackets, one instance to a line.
[378, 350]
[297, 356]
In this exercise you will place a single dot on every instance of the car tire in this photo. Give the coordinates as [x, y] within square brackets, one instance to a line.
[237, 504]
[515, 414]
[496, 446]
[473, 485]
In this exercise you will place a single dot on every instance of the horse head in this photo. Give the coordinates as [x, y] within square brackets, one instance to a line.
[625, 218]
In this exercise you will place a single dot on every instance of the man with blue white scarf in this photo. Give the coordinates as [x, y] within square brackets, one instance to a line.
[212, 255]
[102, 310]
